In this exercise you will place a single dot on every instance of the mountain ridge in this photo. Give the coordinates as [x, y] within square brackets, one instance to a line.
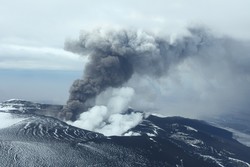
[40, 139]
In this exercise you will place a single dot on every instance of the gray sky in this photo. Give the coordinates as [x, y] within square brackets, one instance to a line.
[33, 33]
[27, 25]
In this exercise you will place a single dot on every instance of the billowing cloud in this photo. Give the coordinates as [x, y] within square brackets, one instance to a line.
[194, 75]
[115, 55]
[109, 115]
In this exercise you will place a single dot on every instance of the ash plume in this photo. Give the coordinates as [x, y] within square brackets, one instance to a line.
[116, 55]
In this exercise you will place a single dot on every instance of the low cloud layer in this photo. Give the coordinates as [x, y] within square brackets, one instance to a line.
[38, 58]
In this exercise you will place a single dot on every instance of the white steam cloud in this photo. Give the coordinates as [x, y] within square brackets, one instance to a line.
[110, 119]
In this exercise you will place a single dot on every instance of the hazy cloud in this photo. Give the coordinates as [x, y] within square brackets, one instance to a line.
[214, 82]
[48, 23]
[28, 57]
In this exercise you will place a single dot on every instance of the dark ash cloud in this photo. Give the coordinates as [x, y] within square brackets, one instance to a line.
[116, 55]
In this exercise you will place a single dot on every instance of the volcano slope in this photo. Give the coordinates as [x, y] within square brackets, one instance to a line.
[38, 140]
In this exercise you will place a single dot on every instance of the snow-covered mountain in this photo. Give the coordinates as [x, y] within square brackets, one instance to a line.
[29, 136]
[28, 107]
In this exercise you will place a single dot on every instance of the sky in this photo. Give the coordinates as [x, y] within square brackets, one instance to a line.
[34, 65]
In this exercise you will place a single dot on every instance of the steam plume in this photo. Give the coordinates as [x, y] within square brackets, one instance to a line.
[116, 55]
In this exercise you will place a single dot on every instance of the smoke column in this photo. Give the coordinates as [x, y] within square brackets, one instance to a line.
[116, 55]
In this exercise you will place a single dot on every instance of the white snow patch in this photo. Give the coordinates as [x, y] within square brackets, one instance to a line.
[187, 139]
[159, 115]
[150, 134]
[7, 120]
[217, 161]
[130, 133]
[191, 129]
[7, 108]
[239, 161]
[155, 131]
[11, 100]
[157, 127]
[152, 140]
